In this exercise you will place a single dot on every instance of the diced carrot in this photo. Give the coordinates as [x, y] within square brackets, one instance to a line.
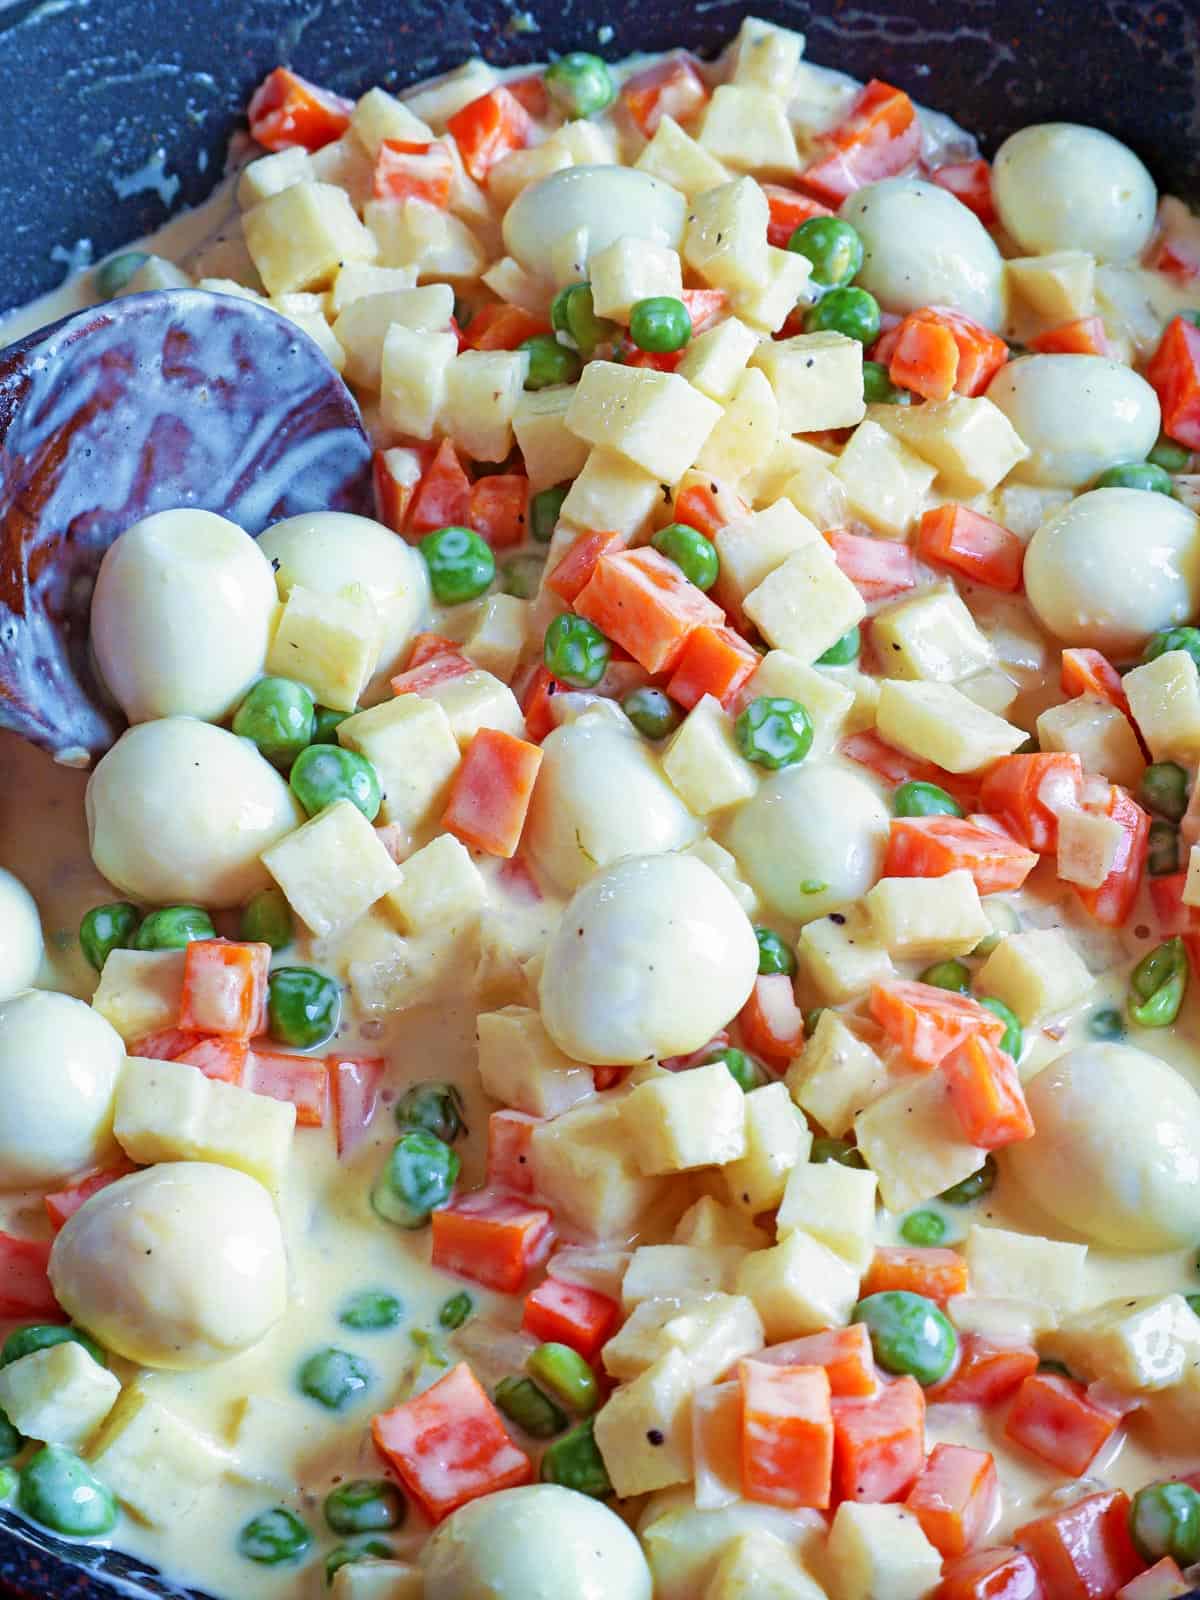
[771, 1023]
[62, 1205]
[503, 327]
[986, 1093]
[510, 1137]
[788, 210]
[705, 307]
[706, 504]
[644, 602]
[448, 1445]
[405, 170]
[878, 568]
[895, 767]
[491, 791]
[937, 1273]
[626, 352]
[608, 1077]
[574, 572]
[787, 1435]
[223, 1060]
[1004, 1573]
[301, 1081]
[879, 1443]
[845, 1354]
[1174, 372]
[225, 988]
[426, 646]
[531, 92]
[443, 496]
[1174, 253]
[432, 671]
[671, 88]
[937, 352]
[971, 183]
[535, 704]
[355, 1082]
[715, 661]
[166, 1044]
[1028, 792]
[986, 1373]
[287, 110]
[498, 508]
[492, 1238]
[1083, 1551]
[1162, 1581]
[488, 129]
[930, 847]
[1166, 896]
[697, 1058]
[24, 1282]
[396, 475]
[1053, 1417]
[1090, 672]
[880, 138]
[717, 1442]
[1085, 336]
[1113, 901]
[566, 1313]
[954, 1497]
[927, 1023]
[954, 536]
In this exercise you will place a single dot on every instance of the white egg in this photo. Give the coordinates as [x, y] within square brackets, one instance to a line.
[541, 1542]
[922, 247]
[609, 202]
[181, 616]
[59, 1065]
[1060, 186]
[328, 550]
[600, 795]
[810, 840]
[20, 936]
[1079, 415]
[180, 811]
[179, 1266]
[1116, 1155]
[1112, 567]
[651, 958]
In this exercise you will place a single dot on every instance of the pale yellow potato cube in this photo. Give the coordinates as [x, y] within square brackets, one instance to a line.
[753, 547]
[724, 864]
[140, 991]
[346, 165]
[520, 168]
[1038, 974]
[363, 327]
[1191, 887]
[992, 689]
[789, 456]
[411, 745]
[761, 1566]
[927, 919]
[684, 1544]
[708, 1223]
[157, 273]
[676, 158]
[827, 700]
[685, 1120]
[1026, 1266]
[654, 419]
[322, 335]
[156, 1464]
[440, 887]
[1099, 733]
[551, 452]
[59, 1395]
[814, 490]
[477, 700]
[939, 723]
[522, 1067]
[1137, 1345]
[1088, 847]
[1001, 1319]
[498, 636]
[509, 281]
[805, 605]
[836, 1205]
[765, 57]
[378, 1580]
[911, 1139]
[704, 764]
[272, 174]
[413, 379]
[866, 699]
[672, 1271]
[238, 291]
[657, 1405]
[170, 1112]
[885, 482]
[483, 389]
[358, 280]
[745, 434]
[583, 1168]
[711, 1329]
[1164, 697]
[932, 637]
[1023, 507]
[836, 1075]
[716, 359]
[749, 132]
[768, 306]
[1060, 286]
[725, 237]
[632, 269]
[611, 492]
[778, 1140]
[412, 233]
[970, 442]
[878, 1552]
[332, 869]
[378, 115]
[798, 1286]
[817, 379]
[329, 642]
[301, 237]
[842, 959]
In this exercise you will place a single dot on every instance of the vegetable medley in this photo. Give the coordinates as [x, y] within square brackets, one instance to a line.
[634, 1038]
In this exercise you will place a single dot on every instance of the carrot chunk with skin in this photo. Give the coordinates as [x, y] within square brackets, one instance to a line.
[396, 475]
[971, 183]
[488, 129]
[426, 646]
[568, 1313]
[443, 496]
[498, 508]
[286, 110]
[787, 1435]
[788, 209]
[433, 670]
[715, 661]
[937, 352]
[491, 791]
[62, 1205]
[878, 568]
[24, 1282]
[535, 704]
[966, 541]
[1090, 672]
[879, 1443]
[166, 1044]
[844, 1353]
[771, 1023]
[1174, 373]
[574, 572]
[1053, 1417]
[671, 88]
[225, 988]
[642, 601]
[1085, 336]
[954, 1497]
[929, 1023]
[1028, 792]
[503, 327]
[492, 1238]
[930, 847]
[880, 138]
[1084, 1551]
[223, 1060]
[894, 767]
[986, 1373]
[355, 1082]
[936, 1273]
[1166, 896]
[1112, 903]
[705, 308]
[406, 170]
[448, 1445]
[1004, 1573]
[510, 1139]
[986, 1093]
[301, 1081]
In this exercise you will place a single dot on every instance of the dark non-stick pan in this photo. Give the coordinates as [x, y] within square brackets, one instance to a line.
[117, 112]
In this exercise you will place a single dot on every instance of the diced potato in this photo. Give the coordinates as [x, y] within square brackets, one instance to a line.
[657, 1406]
[704, 764]
[301, 237]
[927, 919]
[760, 1566]
[1060, 286]
[654, 419]
[866, 699]
[413, 372]
[357, 281]
[170, 1112]
[583, 1168]
[836, 1205]
[725, 866]
[363, 326]
[798, 1286]
[932, 637]
[483, 389]
[632, 269]
[676, 158]
[805, 605]
[708, 1223]
[379, 116]
[272, 174]
[685, 1544]
[671, 1271]
[156, 273]
[878, 1552]
[1000, 1319]
[239, 291]
[911, 1139]
[509, 281]
[755, 546]
[817, 379]
[716, 359]
[685, 1120]
[332, 869]
[412, 233]
[970, 441]
[712, 1330]
[842, 959]
[939, 723]
[885, 482]
[1023, 507]
[377, 1580]
[827, 700]
[59, 1395]
[992, 689]
[1164, 697]
[745, 434]
[330, 642]
[749, 132]
[346, 165]
[777, 1140]
[551, 452]
[1099, 733]
[725, 238]
[157, 1465]
[140, 991]
[836, 1075]
[1026, 1266]
[1137, 1345]
[765, 57]
[516, 171]
[768, 306]
[497, 639]
[611, 492]
[411, 745]
[521, 1066]
[1088, 847]
[322, 335]
[440, 887]
[767, 483]
[1037, 974]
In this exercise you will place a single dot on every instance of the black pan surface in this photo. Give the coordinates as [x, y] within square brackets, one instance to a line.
[118, 113]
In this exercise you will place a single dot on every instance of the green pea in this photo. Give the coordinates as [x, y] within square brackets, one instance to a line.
[544, 511]
[774, 732]
[461, 565]
[274, 1537]
[533, 1411]
[839, 1150]
[948, 975]
[1162, 856]
[1193, 1301]
[878, 388]
[280, 717]
[852, 312]
[1173, 639]
[980, 1182]
[326, 723]
[550, 364]
[418, 1177]
[334, 1378]
[521, 576]
[371, 1311]
[1159, 981]
[456, 1310]
[564, 1373]
[325, 773]
[345, 1554]
[303, 1007]
[653, 713]
[1013, 1038]
[575, 651]
[1106, 1024]
[915, 799]
[267, 919]
[909, 1334]
[366, 1505]
[923, 1228]
[41, 1336]
[1192, 315]
[774, 953]
[61, 1492]
[1136, 475]
[573, 312]
[435, 1107]
[580, 84]
[1165, 790]
[846, 650]
[12, 1442]
[107, 928]
[1058, 1368]
[694, 555]
[8, 1483]
[744, 1070]
[1168, 455]
[115, 274]
[660, 324]
[1164, 1520]
[575, 1462]
[174, 928]
[811, 1019]
[833, 247]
